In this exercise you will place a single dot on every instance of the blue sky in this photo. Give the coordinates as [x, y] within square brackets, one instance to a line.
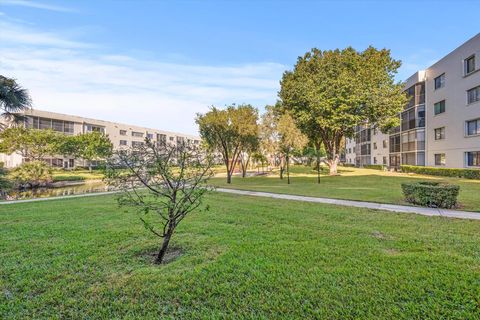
[157, 63]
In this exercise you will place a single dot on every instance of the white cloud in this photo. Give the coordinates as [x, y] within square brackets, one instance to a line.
[36, 5]
[64, 77]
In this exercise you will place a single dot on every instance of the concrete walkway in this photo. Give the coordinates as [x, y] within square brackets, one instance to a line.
[362, 204]
[349, 203]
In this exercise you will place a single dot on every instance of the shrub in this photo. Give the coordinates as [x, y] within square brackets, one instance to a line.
[431, 194]
[31, 174]
[349, 165]
[5, 184]
[374, 166]
[444, 172]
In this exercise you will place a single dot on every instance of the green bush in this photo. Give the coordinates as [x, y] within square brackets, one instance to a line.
[374, 166]
[444, 172]
[31, 174]
[431, 194]
[349, 165]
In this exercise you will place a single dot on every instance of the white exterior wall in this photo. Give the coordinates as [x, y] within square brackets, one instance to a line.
[350, 151]
[377, 140]
[457, 112]
[112, 129]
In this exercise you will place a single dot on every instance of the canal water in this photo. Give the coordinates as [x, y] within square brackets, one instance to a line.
[87, 187]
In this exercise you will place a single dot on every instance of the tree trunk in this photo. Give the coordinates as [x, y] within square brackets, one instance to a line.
[288, 169]
[332, 164]
[229, 177]
[163, 249]
[318, 165]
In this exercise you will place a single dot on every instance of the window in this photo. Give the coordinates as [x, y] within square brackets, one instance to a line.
[45, 123]
[385, 142]
[68, 127]
[374, 160]
[440, 133]
[439, 159]
[440, 81]
[374, 146]
[123, 142]
[137, 134]
[473, 95]
[57, 125]
[150, 136]
[439, 107]
[93, 128]
[171, 138]
[473, 158]
[469, 64]
[137, 143]
[473, 127]
[161, 138]
[123, 132]
[385, 160]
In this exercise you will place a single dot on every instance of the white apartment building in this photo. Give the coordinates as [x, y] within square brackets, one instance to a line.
[119, 134]
[440, 126]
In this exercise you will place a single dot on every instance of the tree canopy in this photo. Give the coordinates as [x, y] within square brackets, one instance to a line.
[329, 93]
[31, 144]
[230, 132]
[13, 98]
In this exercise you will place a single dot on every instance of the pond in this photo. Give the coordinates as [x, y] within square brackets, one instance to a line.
[87, 187]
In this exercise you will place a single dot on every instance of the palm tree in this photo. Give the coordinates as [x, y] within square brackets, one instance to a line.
[13, 99]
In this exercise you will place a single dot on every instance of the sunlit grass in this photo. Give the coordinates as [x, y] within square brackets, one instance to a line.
[246, 258]
[351, 183]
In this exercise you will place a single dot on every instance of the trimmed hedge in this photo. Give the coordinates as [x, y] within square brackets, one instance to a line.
[349, 165]
[374, 166]
[444, 172]
[431, 194]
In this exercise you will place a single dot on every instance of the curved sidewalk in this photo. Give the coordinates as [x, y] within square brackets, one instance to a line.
[349, 203]
[361, 204]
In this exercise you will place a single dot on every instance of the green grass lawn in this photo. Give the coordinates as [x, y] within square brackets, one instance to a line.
[351, 184]
[247, 258]
[76, 175]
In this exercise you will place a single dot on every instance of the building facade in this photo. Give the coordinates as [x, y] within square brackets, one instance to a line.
[440, 126]
[121, 135]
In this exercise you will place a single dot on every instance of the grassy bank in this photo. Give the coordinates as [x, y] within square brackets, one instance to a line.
[245, 258]
[352, 184]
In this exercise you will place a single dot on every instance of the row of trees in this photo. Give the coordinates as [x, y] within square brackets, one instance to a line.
[237, 134]
[321, 102]
[37, 144]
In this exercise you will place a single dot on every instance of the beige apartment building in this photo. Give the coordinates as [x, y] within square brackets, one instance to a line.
[121, 135]
[440, 126]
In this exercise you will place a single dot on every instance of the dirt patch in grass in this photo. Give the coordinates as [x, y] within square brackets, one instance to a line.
[173, 253]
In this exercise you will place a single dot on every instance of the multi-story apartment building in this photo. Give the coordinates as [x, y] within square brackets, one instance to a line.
[440, 126]
[119, 134]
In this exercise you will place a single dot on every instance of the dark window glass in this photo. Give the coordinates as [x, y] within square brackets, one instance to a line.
[440, 81]
[440, 133]
[473, 159]
[469, 64]
[440, 159]
[439, 107]
[473, 95]
[473, 127]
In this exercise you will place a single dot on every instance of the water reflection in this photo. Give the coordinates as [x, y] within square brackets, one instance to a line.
[88, 187]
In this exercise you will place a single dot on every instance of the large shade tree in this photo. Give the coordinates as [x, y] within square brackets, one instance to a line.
[13, 99]
[230, 132]
[329, 93]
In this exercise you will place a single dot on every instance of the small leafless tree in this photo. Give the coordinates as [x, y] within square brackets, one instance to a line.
[163, 182]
